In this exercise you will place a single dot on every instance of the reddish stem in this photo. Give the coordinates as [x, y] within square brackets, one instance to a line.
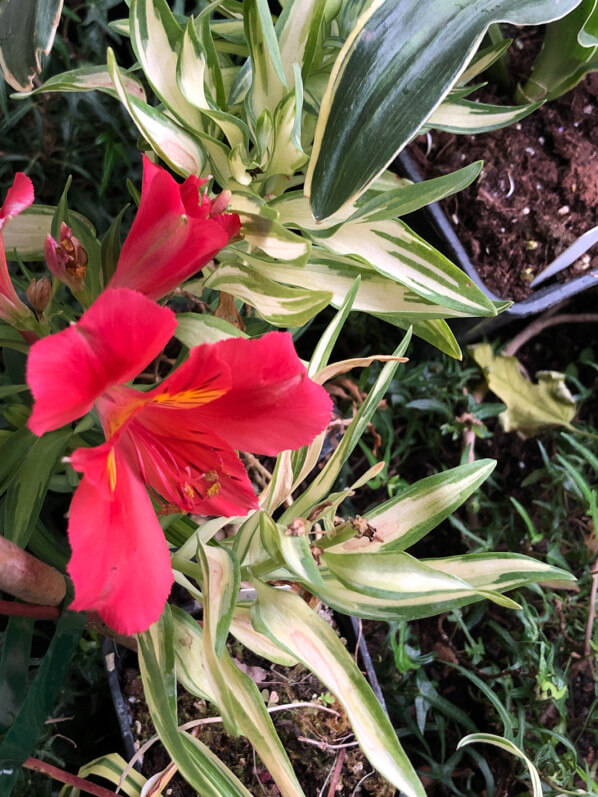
[336, 774]
[11, 608]
[65, 777]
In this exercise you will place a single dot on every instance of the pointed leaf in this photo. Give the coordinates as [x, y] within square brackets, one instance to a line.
[409, 516]
[278, 304]
[287, 620]
[198, 765]
[169, 140]
[393, 71]
[27, 29]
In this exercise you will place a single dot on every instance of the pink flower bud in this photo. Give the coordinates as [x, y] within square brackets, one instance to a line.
[67, 260]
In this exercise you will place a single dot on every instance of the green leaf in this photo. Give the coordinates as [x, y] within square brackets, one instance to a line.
[403, 520]
[290, 623]
[110, 251]
[324, 481]
[28, 489]
[247, 704]
[393, 71]
[278, 304]
[268, 83]
[196, 763]
[86, 78]
[409, 198]
[14, 668]
[19, 742]
[111, 768]
[171, 142]
[569, 52]
[413, 588]
[12, 453]
[530, 408]
[465, 116]
[499, 571]
[27, 29]
[323, 350]
[193, 329]
[510, 747]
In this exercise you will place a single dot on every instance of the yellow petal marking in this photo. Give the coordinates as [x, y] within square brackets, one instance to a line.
[187, 399]
[111, 468]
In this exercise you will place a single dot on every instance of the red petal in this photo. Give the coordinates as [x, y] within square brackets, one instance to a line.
[193, 471]
[171, 237]
[120, 563]
[11, 307]
[115, 339]
[272, 404]
[19, 196]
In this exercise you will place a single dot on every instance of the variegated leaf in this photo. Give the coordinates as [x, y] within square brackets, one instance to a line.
[168, 139]
[199, 766]
[392, 73]
[157, 39]
[88, 78]
[404, 580]
[311, 639]
[403, 520]
[247, 704]
[465, 116]
[499, 571]
[278, 304]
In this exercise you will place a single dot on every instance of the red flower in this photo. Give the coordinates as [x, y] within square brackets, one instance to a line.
[179, 439]
[19, 197]
[174, 234]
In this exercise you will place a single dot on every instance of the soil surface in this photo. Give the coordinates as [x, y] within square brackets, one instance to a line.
[538, 191]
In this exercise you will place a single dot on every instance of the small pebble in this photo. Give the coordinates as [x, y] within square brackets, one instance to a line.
[588, 109]
[564, 210]
[530, 150]
[541, 139]
[525, 212]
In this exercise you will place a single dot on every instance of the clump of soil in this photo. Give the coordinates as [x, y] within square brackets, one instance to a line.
[313, 763]
[538, 191]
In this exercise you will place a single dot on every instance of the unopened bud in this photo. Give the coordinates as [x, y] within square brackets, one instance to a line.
[220, 204]
[39, 294]
[67, 260]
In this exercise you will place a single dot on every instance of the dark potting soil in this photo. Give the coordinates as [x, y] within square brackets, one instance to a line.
[538, 191]
[313, 763]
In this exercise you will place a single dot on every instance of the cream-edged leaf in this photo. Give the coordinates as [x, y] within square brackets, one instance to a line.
[311, 639]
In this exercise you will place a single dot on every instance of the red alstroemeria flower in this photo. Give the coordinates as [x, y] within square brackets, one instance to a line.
[178, 439]
[19, 197]
[174, 234]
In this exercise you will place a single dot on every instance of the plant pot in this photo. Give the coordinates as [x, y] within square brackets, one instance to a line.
[435, 219]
